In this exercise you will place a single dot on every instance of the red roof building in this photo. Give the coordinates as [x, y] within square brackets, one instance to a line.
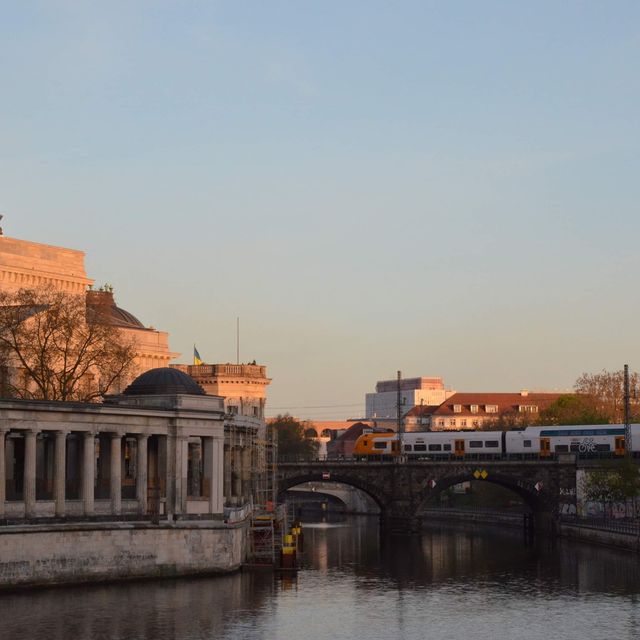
[471, 410]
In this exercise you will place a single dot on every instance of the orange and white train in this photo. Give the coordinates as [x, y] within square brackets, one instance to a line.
[600, 440]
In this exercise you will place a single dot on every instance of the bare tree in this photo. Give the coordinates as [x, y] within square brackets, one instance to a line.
[607, 391]
[55, 347]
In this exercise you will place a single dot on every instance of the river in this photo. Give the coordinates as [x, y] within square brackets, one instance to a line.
[451, 583]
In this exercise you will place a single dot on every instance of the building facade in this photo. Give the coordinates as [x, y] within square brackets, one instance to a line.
[414, 391]
[473, 410]
[158, 448]
[30, 265]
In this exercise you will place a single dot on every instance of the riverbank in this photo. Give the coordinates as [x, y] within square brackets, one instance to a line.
[71, 553]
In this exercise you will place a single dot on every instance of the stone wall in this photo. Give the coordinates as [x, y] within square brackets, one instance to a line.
[73, 553]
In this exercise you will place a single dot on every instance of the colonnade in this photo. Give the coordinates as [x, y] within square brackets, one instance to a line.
[170, 469]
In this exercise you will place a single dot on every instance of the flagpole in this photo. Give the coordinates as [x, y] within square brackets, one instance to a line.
[238, 340]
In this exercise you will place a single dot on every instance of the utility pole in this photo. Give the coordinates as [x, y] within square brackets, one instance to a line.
[627, 413]
[399, 407]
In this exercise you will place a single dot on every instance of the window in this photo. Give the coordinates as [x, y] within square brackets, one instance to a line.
[457, 408]
[446, 447]
[379, 445]
[474, 408]
[441, 422]
[452, 422]
[526, 443]
[420, 447]
[407, 447]
[475, 423]
[463, 422]
[475, 444]
[435, 447]
[562, 448]
[528, 408]
[491, 408]
[232, 409]
[491, 443]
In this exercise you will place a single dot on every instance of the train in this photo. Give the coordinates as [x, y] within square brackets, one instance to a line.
[596, 440]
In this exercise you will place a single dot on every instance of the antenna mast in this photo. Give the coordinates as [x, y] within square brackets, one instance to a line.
[238, 340]
[627, 413]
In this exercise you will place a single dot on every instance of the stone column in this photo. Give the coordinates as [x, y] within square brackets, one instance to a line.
[182, 463]
[116, 473]
[29, 481]
[59, 470]
[88, 471]
[3, 479]
[214, 472]
[141, 473]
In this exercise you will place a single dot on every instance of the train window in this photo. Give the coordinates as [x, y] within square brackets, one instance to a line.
[407, 447]
[603, 447]
[475, 444]
[379, 445]
[491, 443]
[526, 443]
[420, 447]
[574, 446]
[435, 447]
[446, 447]
[562, 448]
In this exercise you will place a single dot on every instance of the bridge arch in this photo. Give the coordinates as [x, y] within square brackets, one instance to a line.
[537, 501]
[373, 492]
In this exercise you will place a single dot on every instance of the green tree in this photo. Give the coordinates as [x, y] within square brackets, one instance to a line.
[573, 409]
[607, 391]
[292, 438]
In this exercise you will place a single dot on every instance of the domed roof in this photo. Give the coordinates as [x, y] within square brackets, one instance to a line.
[163, 381]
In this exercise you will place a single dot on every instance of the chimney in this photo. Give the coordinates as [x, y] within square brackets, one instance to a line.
[524, 392]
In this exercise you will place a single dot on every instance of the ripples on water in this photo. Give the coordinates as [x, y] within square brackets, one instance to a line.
[451, 583]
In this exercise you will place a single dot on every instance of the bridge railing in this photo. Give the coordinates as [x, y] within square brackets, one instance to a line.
[616, 525]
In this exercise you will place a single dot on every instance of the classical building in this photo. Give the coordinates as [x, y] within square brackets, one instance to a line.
[29, 265]
[156, 448]
[243, 386]
[472, 410]
[414, 391]
[249, 454]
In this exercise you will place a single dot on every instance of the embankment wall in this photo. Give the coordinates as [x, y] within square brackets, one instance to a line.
[38, 555]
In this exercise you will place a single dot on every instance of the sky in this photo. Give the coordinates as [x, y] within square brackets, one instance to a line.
[442, 188]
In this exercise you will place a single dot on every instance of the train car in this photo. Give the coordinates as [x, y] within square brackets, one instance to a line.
[585, 440]
[379, 446]
[428, 445]
[457, 444]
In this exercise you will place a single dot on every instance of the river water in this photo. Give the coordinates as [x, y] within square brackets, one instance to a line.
[450, 583]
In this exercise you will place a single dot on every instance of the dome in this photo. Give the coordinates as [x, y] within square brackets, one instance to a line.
[163, 381]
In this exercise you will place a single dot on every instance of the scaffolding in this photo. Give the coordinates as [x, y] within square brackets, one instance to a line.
[268, 522]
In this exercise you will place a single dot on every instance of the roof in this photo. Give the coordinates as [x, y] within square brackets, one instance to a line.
[163, 381]
[101, 304]
[422, 410]
[506, 403]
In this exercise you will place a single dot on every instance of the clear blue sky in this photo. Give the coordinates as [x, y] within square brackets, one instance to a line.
[443, 188]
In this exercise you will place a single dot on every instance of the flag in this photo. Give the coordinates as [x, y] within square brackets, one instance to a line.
[196, 356]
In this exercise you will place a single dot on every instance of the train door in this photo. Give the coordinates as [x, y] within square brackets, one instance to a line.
[619, 445]
[459, 448]
[545, 447]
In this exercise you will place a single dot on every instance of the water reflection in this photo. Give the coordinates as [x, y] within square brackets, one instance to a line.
[452, 582]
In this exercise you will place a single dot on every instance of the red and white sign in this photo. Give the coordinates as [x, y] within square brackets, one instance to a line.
[432, 483]
[326, 475]
[538, 486]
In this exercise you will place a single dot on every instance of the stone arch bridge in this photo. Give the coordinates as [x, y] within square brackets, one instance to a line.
[400, 489]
